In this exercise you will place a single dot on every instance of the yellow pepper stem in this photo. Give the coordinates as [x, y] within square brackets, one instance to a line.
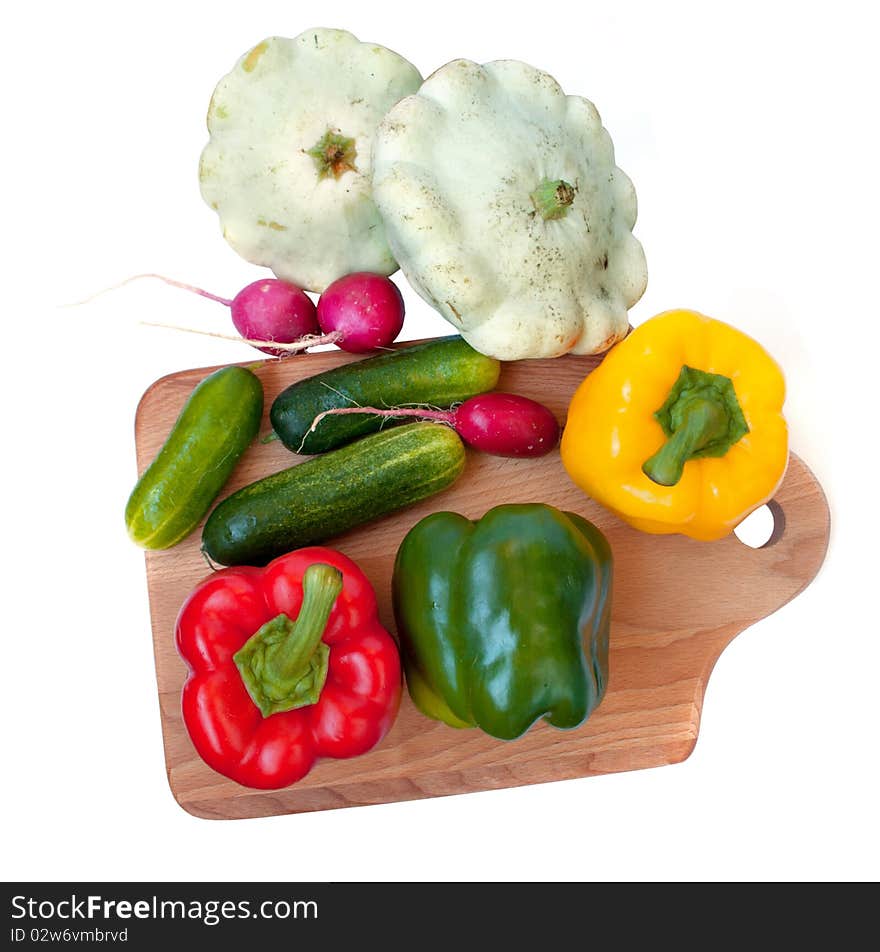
[703, 421]
[701, 417]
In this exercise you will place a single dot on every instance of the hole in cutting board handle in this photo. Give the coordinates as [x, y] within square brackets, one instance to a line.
[763, 527]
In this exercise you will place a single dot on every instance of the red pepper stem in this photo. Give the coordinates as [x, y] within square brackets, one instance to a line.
[321, 586]
[284, 664]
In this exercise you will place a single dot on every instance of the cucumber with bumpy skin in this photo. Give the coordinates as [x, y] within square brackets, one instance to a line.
[437, 373]
[327, 495]
[218, 422]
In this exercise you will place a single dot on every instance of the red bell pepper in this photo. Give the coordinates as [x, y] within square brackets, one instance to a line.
[288, 663]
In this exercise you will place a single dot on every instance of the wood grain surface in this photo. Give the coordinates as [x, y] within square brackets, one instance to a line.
[676, 604]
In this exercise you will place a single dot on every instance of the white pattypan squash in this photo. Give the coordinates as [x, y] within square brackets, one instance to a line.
[506, 212]
[289, 161]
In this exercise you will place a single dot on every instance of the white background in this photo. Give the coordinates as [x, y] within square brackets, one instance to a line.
[750, 135]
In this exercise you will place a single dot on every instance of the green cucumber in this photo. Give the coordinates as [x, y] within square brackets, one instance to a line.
[438, 373]
[218, 422]
[327, 495]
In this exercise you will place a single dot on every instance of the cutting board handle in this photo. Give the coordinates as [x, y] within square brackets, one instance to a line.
[705, 593]
[759, 581]
[801, 530]
[693, 598]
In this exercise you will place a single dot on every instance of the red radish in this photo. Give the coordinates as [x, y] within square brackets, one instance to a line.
[359, 312]
[273, 310]
[365, 309]
[503, 424]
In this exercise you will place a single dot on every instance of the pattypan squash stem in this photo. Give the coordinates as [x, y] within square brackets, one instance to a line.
[284, 664]
[701, 417]
[552, 198]
[333, 154]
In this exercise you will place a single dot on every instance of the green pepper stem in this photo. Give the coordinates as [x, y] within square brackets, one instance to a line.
[552, 198]
[284, 664]
[701, 417]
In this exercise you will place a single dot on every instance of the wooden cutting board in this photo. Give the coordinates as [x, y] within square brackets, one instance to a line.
[665, 638]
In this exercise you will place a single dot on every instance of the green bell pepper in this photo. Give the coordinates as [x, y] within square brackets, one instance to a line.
[504, 620]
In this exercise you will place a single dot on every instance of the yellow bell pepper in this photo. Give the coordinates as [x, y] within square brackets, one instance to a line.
[680, 428]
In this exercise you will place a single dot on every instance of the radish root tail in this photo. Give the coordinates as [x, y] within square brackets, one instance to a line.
[157, 277]
[295, 347]
[446, 417]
